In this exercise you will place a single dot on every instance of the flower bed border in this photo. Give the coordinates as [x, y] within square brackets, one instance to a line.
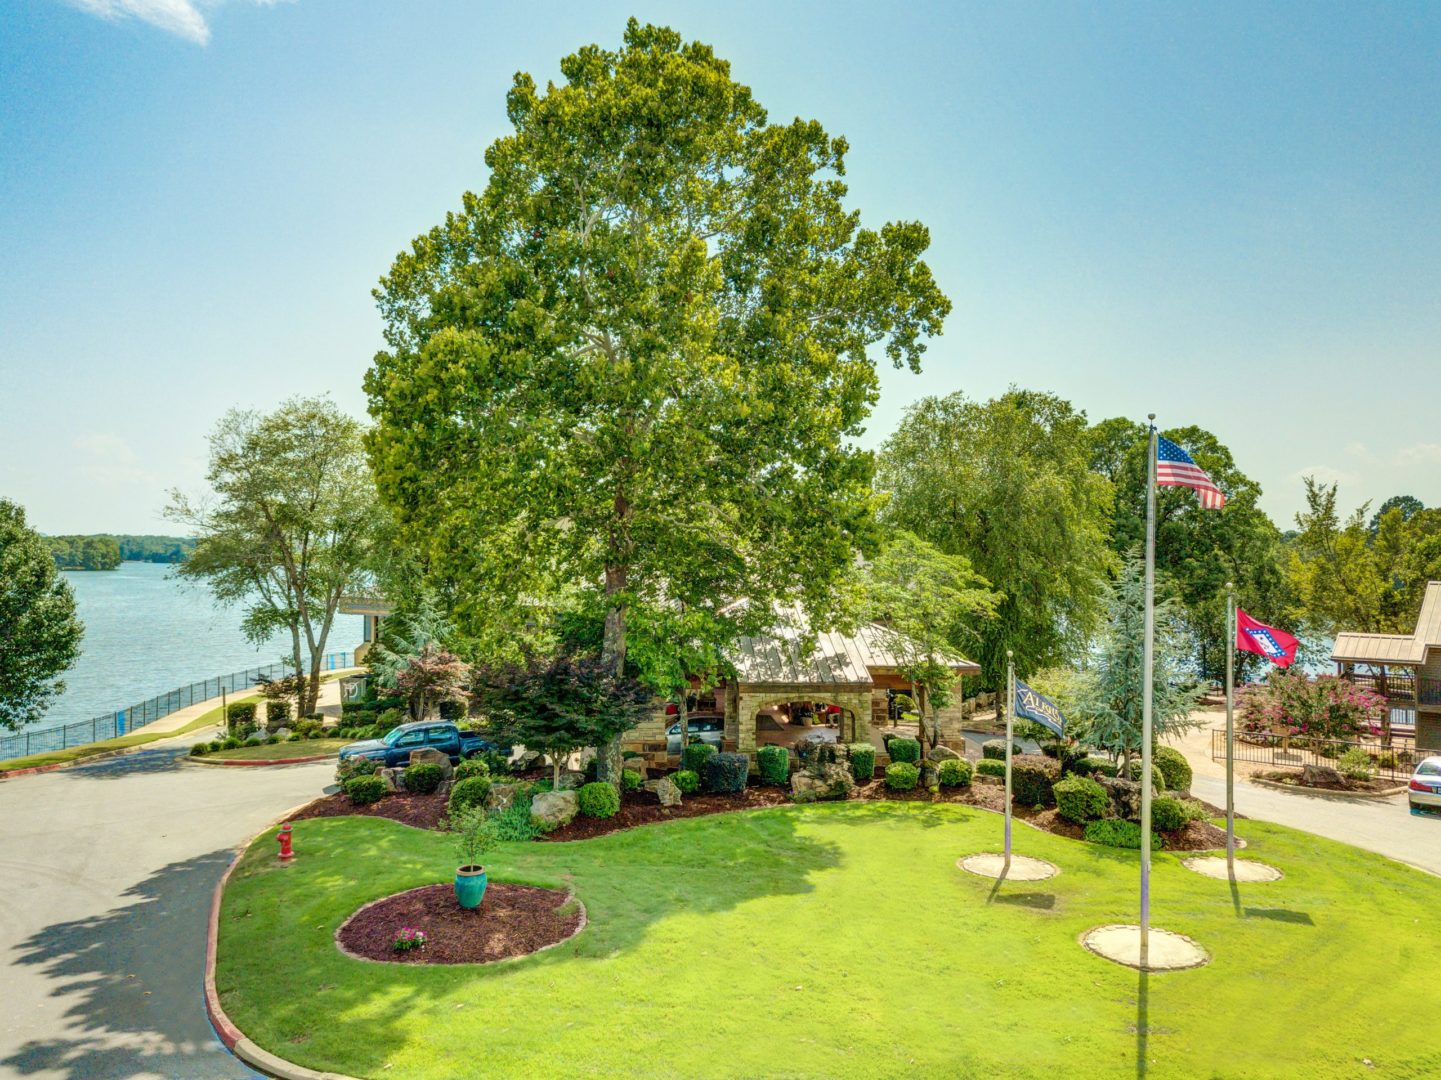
[257, 762]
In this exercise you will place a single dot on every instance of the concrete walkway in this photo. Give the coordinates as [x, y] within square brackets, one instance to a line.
[106, 871]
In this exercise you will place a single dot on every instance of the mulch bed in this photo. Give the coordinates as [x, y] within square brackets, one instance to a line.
[513, 920]
[1362, 787]
[642, 808]
[422, 811]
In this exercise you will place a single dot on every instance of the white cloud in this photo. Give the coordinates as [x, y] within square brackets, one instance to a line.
[1325, 474]
[1420, 454]
[184, 18]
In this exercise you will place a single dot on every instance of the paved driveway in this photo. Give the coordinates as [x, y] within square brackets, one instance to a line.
[106, 872]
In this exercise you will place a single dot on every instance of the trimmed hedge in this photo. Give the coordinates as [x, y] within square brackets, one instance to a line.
[862, 761]
[995, 749]
[990, 767]
[241, 712]
[1080, 799]
[1169, 814]
[1032, 776]
[364, 790]
[599, 800]
[902, 776]
[1094, 766]
[1174, 768]
[630, 780]
[693, 757]
[775, 764]
[471, 767]
[423, 777]
[906, 751]
[277, 713]
[468, 792]
[954, 772]
[1113, 832]
[726, 773]
[200, 749]
[687, 780]
[1158, 782]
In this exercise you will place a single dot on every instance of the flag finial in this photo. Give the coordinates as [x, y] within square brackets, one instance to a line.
[1151, 417]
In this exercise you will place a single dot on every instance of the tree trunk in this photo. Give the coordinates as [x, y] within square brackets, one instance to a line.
[612, 655]
[555, 760]
[684, 724]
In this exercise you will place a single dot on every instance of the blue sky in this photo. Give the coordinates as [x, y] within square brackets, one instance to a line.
[1228, 214]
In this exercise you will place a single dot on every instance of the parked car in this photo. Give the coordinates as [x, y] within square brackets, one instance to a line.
[393, 749]
[706, 729]
[1424, 790]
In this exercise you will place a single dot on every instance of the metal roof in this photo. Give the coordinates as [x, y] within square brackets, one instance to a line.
[836, 660]
[1406, 649]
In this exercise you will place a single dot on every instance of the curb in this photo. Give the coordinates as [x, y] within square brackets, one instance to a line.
[233, 762]
[234, 1039]
[1325, 793]
[105, 755]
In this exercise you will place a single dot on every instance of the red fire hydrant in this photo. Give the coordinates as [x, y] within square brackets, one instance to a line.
[284, 838]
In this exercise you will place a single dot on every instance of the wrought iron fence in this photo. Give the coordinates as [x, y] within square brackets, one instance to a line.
[124, 721]
[1391, 762]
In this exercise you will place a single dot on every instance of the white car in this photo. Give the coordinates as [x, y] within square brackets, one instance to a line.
[1424, 789]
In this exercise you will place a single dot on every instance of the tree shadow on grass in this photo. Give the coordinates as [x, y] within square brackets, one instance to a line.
[1285, 915]
[126, 986]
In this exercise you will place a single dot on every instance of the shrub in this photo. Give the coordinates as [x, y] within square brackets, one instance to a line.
[514, 824]
[687, 780]
[423, 777]
[232, 743]
[1094, 766]
[902, 775]
[467, 792]
[954, 772]
[599, 800]
[390, 718]
[350, 708]
[200, 749]
[364, 790]
[271, 740]
[1032, 776]
[1157, 780]
[693, 757]
[1174, 768]
[1113, 832]
[726, 773]
[470, 767]
[1355, 764]
[990, 767]
[775, 764]
[474, 834]
[347, 768]
[862, 761]
[1169, 814]
[494, 760]
[1080, 799]
[906, 751]
[276, 713]
[630, 780]
[452, 710]
[241, 712]
[995, 749]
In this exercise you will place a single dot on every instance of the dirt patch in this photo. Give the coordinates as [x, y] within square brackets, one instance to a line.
[513, 920]
[422, 811]
[1357, 787]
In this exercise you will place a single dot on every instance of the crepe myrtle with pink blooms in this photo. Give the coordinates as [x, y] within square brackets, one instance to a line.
[1326, 707]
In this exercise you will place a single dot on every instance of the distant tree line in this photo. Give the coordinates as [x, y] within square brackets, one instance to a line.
[106, 551]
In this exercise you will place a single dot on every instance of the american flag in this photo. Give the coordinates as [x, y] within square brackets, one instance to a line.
[1174, 468]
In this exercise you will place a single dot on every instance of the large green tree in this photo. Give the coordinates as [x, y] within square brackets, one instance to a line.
[1007, 484]
[288, 526]
[636, 361]
[39, 631]
[1197, 550]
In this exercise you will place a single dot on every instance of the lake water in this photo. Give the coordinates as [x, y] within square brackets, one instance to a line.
[147, 632]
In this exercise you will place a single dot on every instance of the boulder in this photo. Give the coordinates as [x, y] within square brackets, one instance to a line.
[394, 779]
[528, 759]
[501, 796]
[664, 789]
[941, 752]
[1321, 776]
[822, 782]
[1125, 796]
[571, 779]
[430, 755]
[554, 809]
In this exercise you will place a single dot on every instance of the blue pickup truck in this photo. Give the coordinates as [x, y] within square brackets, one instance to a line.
[393, 749]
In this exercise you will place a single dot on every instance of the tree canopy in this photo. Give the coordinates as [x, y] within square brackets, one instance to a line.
[635, 362]
[39, 631]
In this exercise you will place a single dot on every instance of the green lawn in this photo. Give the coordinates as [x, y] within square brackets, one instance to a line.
[76, 753]
[841, 940]
[279, 751]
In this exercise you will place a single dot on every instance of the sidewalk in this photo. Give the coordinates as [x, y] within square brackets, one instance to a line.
[328, 703]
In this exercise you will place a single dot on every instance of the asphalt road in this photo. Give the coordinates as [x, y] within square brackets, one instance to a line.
[106, 873]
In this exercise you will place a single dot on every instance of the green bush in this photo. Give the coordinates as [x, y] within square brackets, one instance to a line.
[470, 767]
[272, 740]
[862, 761]
[364, 790]
[907, 751]
[1080, 799]
[277, 713]
[1094, 766]
[1114, 832]
[1158, 782]
[990, 767]
[599, 800]
[231, 743]
[514, 824]
[902, 775]
[630, 780]
[694, 756]
[726, 774]
[1175, 769]
[390, 718]
[1032, 776]
[954, 772]
[995, 749]
[775, 764]
[467, 792]
[1169, 814]
[1355, 764]
[423, 777]
[452, 710]
[240, 712]
[200, 749]
[687, 781]
[347, 768]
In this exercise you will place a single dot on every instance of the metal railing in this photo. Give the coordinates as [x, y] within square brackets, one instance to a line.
[1401, 686]
[1393, 762]
[125, 721]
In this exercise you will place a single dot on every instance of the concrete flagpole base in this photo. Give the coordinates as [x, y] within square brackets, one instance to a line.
[1121, 944]
[992, 864]
[1247, 870]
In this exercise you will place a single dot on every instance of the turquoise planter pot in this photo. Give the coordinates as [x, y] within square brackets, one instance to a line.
[470, 885]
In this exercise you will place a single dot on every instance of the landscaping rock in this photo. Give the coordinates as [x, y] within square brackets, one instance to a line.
[665, 790]
[571, 779]
[940, 752]
[528, 759]
[1125, 796]
[501, 796]
[430, 755]
[822, 782]
[394, 779]
[554, 809]
[1321, 776]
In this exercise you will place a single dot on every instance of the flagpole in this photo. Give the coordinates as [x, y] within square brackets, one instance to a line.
[1010, 723]
[1230, 731]
[1146, 694]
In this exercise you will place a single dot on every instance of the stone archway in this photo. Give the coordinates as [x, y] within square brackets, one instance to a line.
[854, 703]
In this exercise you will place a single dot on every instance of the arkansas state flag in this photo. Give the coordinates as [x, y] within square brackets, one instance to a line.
[1275, 645]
